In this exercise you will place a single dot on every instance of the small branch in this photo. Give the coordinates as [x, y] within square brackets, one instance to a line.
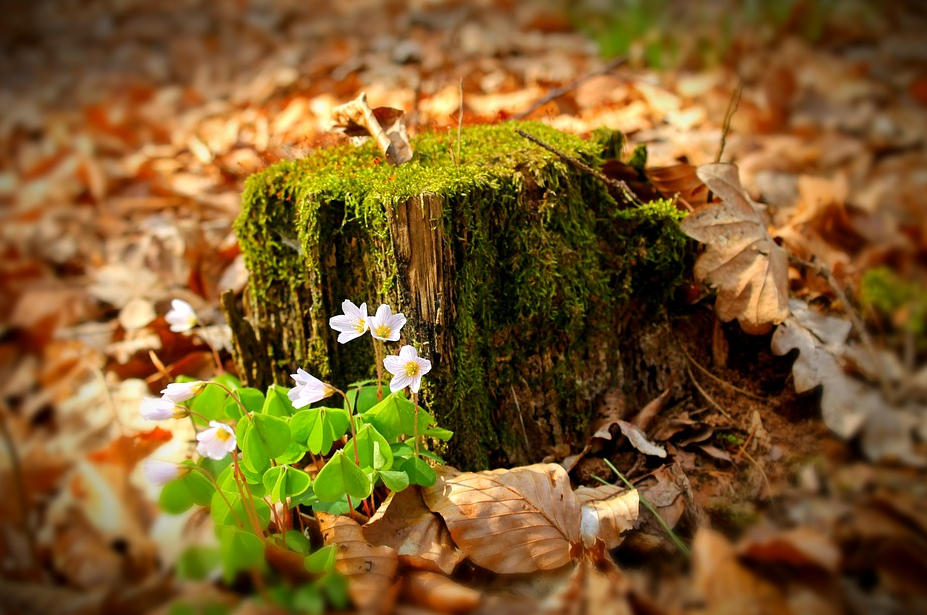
[558, 92]
[708, 397]
[614, 183]
[524, 432]
[728, 116]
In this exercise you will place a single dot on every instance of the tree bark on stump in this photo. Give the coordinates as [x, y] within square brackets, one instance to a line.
[530, 289]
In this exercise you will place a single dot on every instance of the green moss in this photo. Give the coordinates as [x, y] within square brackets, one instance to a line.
[903, 302]
[545, 265]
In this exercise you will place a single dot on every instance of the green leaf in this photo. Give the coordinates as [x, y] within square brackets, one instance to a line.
[197, 562]
[266, 437]
[222, 515]
[438, 433]
[282, 482]
[296, 541]
[341, 477]
[338, 507]
[201, 489]
[252, 399]
[322, 560]
[420, 473]
[362, 398]
[277, 403]
[239, 551]
[308, 599]
[424, 452]
[335, 587]
[293, 453]
[395, 415]
[175, 497]
[373, 451]
[394, 480]
[318, 428]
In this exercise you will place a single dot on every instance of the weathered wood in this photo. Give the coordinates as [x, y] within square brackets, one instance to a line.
[523, 281]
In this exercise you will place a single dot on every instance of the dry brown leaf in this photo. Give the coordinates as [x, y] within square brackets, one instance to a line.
[509, 521]
[639, 440]
[848, 406]
[607, 519]
[370, 570]
[749, 270]
[801, 546]
[437, 592]
[681, 180]
[419, 536]
[724, 586]
[385, 125]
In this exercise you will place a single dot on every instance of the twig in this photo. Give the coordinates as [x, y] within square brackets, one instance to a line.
[708, 397]
[615, 183]
[669, 531]
[524, 432]
[825, 273]
[459, 122]
[558, 92]
[720, 381]
[728, 116]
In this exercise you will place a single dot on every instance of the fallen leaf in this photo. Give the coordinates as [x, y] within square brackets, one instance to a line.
[639, 440]
[749, 270]
[370, 570]
[607, 519]
[509, 521]
[800, 546]
[437, 592]
[385, 125]
[419, 536]
[681, 181]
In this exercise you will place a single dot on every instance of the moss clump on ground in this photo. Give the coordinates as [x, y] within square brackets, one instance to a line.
[544, 269]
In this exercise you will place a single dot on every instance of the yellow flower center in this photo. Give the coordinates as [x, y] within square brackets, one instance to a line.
[411, 369]
[384, 331]
[360, 326]
[222, 435]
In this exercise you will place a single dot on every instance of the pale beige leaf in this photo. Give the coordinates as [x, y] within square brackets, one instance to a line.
[639, 440]
[357, 118]
[509, 521]
[419, 536]
[608, 519]
[370, 570]
[742, 261]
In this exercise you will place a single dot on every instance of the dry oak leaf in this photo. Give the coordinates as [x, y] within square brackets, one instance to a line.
[848, 406]
[509, 521]
[742, 261]
[438, 593]
[370, 570]
[384, 124]
[606, 514]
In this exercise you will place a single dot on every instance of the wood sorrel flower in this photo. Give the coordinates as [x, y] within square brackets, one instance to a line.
[308, 389]
[181, 317]
[217, 441]
[385, 325]
[179, 392]
[162, 472]
[160, 409]
[350, 325]
[407, 369]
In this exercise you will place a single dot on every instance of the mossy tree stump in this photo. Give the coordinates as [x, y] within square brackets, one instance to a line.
[530, 289]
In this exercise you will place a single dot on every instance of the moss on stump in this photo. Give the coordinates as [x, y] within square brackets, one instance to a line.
[524, 282]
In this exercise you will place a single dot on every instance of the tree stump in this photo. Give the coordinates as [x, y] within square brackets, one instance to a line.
[530, 289]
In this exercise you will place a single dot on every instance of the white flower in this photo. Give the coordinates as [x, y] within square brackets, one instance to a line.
[216, 442]
[160, 409]
[162, 472]
[352, 324]
[407, 369]
[385, 325]
[181, 317]
[308, 389]
[179, 392]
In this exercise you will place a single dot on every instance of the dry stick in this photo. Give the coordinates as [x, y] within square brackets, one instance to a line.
[215, 353]
[558, 92]
[615, 183]
[708, 397]
[825, 273]
[716, 378]
[728, 116]
[524, 432]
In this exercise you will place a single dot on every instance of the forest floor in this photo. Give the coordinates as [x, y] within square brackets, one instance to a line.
[128, 128]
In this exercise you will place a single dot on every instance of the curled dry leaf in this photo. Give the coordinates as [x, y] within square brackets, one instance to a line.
[370, 570]
[848, 406]
[639, 440]
[384, 124]
[438, 593]
[607, 519]
[419, 536]
[681, 181]
[742, 261]
[509, 521]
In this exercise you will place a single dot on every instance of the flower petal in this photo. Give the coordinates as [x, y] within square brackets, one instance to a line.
[394, 364]
[399, 382]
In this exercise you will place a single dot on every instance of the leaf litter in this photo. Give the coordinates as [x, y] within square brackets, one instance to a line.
[118, 194]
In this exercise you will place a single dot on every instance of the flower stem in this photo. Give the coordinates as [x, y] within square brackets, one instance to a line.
[415, 427]
[379, 364]
[215, 353]
[232, 395]
[351, 423]
[247, 501]
[213, 482]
